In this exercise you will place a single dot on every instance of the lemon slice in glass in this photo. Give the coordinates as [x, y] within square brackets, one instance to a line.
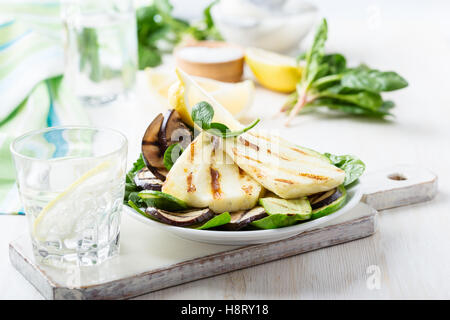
[69, 213]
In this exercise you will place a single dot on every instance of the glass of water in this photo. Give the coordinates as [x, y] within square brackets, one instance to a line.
[100, 48]
[71, 183]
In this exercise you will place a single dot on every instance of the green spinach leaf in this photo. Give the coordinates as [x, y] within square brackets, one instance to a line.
[352, 166]
[202, 114]
[136, 207]
[327, 82]
[172, 153]
[372, 80]
[315, 54]
[275, 221]
[162, 200]
[216, 221]
[158, 31]
[364, 99]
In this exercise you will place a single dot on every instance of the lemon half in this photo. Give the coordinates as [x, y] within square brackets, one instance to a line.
[235, 97]
[272, 70]
[184, 94]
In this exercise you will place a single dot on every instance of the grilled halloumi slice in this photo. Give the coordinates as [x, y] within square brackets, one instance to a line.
[204, 176]
[282, 167]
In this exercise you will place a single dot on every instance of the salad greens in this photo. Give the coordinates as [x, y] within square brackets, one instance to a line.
[218, 220]
[352, 166]
[283, 213]
[326, 81]
[202, 114]
[161, 200]
[275, 221]
[131, 189]
[172, 153]
[158, 31]
[138, 210]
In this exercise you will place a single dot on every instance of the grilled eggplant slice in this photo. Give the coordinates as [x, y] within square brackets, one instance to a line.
[324, 198]
[160, 134]
[146, 180]
[173, 130]
[240, 219]
[180, 218]
[152, 152]
[327, 202]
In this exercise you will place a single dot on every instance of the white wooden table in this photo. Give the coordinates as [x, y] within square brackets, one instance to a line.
[409, 256]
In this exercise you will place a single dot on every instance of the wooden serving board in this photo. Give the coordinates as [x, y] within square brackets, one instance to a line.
[152, 259]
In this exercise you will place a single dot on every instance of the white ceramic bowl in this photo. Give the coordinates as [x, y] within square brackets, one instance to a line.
[275, 25]
[240, 238]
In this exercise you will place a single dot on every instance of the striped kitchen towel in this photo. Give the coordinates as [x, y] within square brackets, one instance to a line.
[33, 94]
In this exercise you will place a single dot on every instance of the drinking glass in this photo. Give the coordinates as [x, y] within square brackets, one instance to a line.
[100, 48]
[71, 183]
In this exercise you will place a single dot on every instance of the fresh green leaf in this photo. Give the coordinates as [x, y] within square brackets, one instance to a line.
[364, 99]
[230, 134]
[386, 106]
[352, 166]
[207, 15]
[134, 196]
[148, 57]
[331, 64]
[137, 165]
[219, 127]
[206, 28]
[327, 82]
[162, 200]
[372, 80]
[216, 221]
[172, 153]
[202, 114]
[130, 185]
[275, 221]
[315, 54]
[130, 188]
[158, 31]
[349, 108]
[135, 207]
[336, 63]
[282, 212]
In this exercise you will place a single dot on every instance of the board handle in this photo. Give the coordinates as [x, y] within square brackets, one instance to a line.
[398, 186]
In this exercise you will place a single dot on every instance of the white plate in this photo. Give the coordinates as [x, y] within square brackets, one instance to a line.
[240, 238]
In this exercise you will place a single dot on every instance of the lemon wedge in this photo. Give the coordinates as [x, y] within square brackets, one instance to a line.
[184, 94]
[160, 81]
[274, 71]
[63, 216]
[235, 97]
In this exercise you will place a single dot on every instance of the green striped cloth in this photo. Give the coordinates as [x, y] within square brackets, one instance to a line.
[33, 93]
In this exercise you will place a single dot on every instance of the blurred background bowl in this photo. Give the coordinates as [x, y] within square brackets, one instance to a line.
[275, 25]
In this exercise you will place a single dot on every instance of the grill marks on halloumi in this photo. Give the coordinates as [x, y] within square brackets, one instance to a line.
[287, 170]
[204, 176]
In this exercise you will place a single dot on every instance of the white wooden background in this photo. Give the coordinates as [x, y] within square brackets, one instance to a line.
[410, 254]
